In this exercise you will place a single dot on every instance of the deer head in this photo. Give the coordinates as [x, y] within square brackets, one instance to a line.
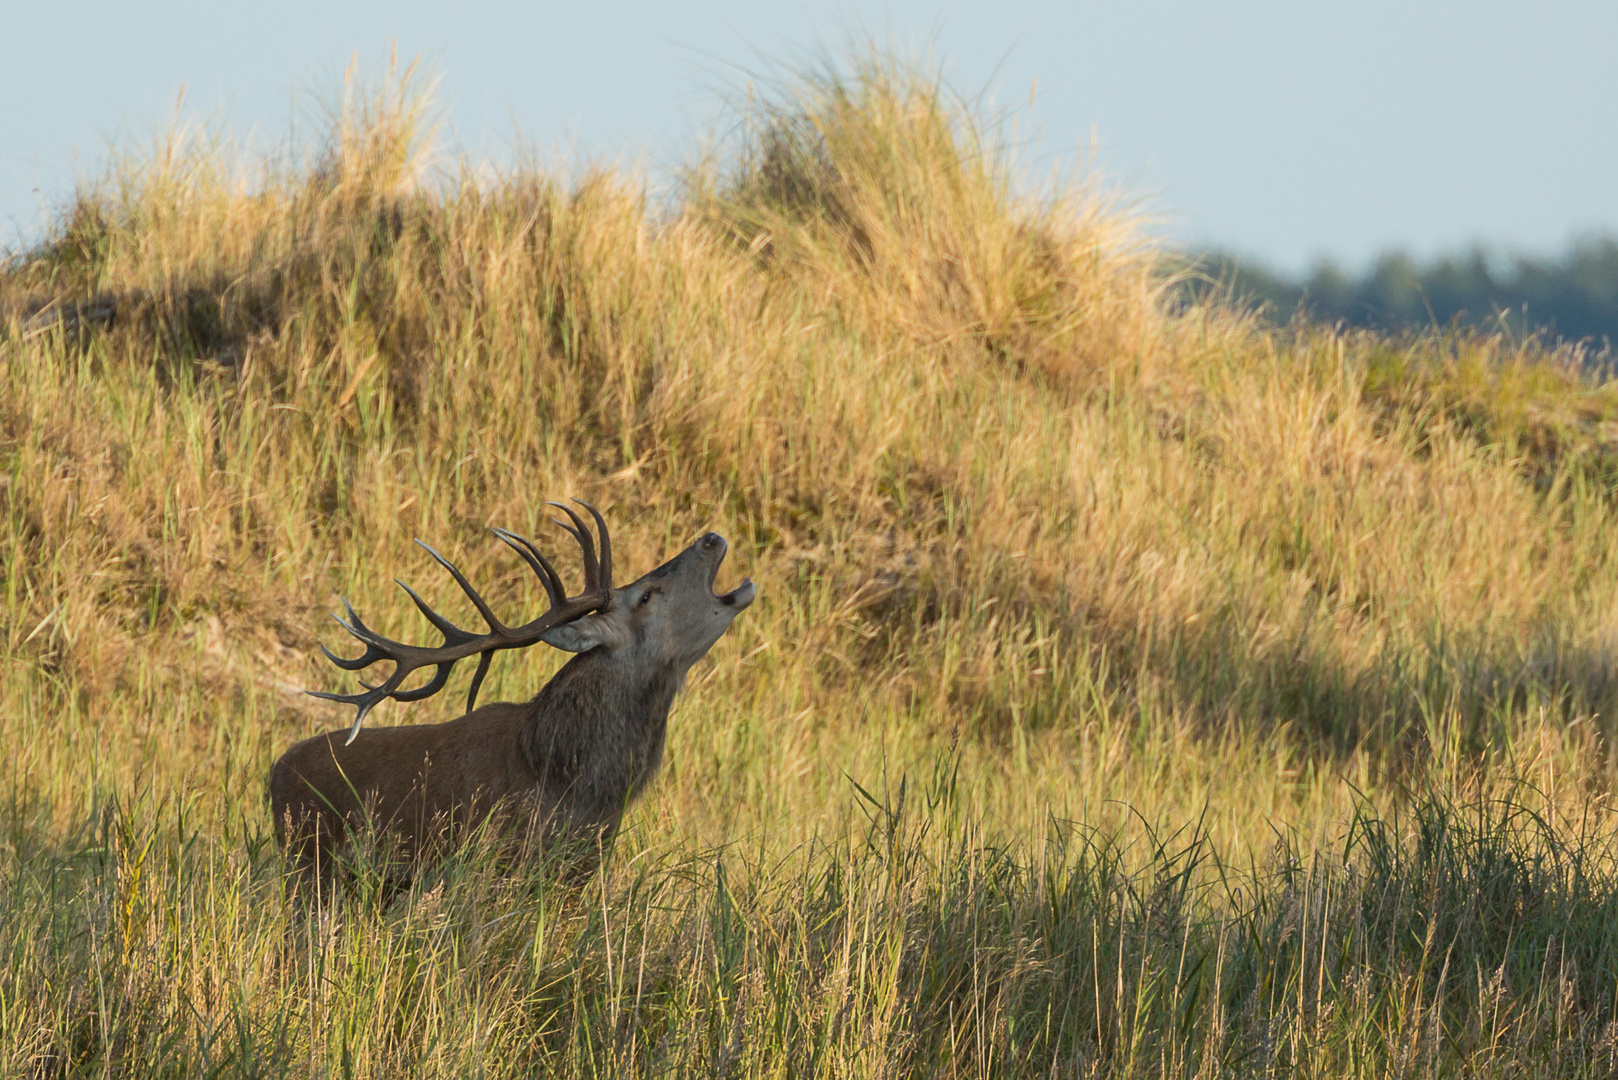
[669, 616]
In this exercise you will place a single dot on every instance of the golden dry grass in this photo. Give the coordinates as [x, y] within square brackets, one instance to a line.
[1133, 688]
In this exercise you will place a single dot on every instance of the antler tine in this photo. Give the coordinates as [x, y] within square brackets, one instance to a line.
[477, 679]
[581, 533]
[451, 632]
[356, 625]
[466, 587]
[536, 561]
[365, 702]
[606, 544]
[371, 656]
[374, 643]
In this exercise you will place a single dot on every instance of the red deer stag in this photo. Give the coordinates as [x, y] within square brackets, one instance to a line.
[566, 763]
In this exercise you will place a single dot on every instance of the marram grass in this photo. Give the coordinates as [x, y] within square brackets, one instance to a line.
[1133, 690]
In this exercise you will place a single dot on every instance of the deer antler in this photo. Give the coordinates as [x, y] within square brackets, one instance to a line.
[460, 644]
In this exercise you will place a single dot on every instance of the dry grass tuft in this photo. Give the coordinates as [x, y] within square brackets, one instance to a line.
[883, 193]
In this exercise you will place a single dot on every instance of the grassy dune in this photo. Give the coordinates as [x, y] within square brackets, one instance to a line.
[1134, 690]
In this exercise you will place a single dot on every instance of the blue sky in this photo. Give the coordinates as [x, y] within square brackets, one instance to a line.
[1283, 130]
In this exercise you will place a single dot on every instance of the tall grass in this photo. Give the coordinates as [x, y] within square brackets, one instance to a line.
[1133, 689]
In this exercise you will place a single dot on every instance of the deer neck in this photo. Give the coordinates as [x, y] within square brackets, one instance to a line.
[601, 715]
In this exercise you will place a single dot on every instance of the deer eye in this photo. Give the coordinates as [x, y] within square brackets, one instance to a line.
[646, 597]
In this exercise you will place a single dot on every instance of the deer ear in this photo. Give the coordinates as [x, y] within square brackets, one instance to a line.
[580, 635]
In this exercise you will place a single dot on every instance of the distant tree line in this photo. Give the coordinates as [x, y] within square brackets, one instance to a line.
[1573, 297]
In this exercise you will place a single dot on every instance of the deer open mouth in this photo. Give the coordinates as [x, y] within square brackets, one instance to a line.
[741, 595]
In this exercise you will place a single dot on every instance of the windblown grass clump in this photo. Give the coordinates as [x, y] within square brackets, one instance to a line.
[1133, 689]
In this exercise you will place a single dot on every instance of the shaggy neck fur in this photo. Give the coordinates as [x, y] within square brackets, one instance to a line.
[596, 732]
